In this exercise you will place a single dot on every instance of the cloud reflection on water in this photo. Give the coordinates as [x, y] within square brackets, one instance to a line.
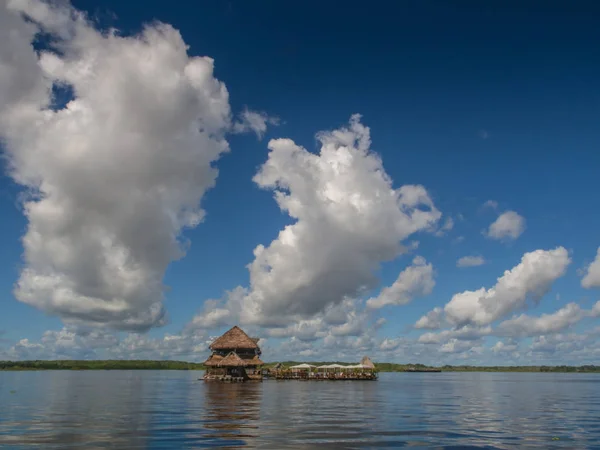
[151, 409]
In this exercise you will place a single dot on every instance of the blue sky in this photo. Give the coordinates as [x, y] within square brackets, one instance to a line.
[483, 132]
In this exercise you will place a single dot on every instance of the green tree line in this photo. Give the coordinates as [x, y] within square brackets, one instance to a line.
[183, 365]
[393, 367]
[99, 365]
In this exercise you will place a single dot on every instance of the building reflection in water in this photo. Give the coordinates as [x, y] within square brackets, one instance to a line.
[232, 412]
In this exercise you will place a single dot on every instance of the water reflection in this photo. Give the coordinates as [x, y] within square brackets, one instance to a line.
[172, 410]
[232, 412]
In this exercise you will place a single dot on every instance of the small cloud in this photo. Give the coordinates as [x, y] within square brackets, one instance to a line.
[509, 225]
[417, 280]
[254, 121]
[458, 240]
[413, 245]
[432, 320]
[483, 134]
[491, 204]
[470, 261]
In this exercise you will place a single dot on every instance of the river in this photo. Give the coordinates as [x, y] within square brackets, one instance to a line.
[172, 410]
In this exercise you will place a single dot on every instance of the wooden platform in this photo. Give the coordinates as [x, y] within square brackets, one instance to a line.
[363, 377]
[229, 379]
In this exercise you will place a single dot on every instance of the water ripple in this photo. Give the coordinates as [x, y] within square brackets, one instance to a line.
[172, 410]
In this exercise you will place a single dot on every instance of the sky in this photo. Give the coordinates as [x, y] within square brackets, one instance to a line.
[410, 181]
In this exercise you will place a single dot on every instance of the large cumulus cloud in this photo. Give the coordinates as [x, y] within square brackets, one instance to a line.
[115, 175]
[347, 220]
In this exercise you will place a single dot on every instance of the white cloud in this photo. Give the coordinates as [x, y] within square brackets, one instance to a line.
[115, 176]
[189, 347]
[509, 225]
[389, 344]
[509, 347]
[217, 313]
[458, 346]
[591, 278]
[74, 343]
[254, 121]
[465, 333]
[343, 319]
[414, 281]
[470, 261]
[304, 330]
[212, 316]
[525, 325]
[569, 348]
[347, 220]
[64, 344]
[531, 278]
[432, 320]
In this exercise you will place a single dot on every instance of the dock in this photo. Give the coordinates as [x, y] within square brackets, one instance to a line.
[327, 377]
[363, 371]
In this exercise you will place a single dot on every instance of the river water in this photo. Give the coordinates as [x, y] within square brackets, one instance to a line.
[172, 410]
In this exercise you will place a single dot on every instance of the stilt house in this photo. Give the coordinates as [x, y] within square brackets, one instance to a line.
[235, 356]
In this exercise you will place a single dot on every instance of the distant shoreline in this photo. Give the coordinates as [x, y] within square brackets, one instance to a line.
[183, 365]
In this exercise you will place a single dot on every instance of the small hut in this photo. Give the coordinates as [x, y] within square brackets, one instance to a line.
[367, 363]
[235, 357]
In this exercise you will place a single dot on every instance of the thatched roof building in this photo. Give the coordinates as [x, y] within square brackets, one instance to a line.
[367, 363]
[232, 360]
[236, 354]
[213, 360]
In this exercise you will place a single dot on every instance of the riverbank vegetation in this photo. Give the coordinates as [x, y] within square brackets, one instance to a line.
[182, 365]
[392, 367]
[99, 365]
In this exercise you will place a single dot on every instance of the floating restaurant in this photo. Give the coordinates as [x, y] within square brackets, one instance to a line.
[365, 370]
[235, 357]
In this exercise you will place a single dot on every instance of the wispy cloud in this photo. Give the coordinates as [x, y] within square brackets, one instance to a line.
[444, 229]
[470, 261]
[254, 121]
[493, 204]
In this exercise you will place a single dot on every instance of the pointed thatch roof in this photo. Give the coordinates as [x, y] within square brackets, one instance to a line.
[256, 361]
[232, 360]
[366, 362]
[213, 360]
[235, 338]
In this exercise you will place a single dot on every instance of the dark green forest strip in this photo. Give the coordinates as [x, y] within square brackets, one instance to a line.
[99, 365]
[182, 365]
[391, 367]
